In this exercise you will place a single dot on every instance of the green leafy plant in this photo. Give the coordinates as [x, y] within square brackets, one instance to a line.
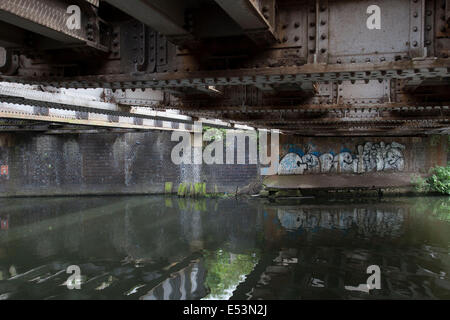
[421, 185]
[226, 270]
[438, 181]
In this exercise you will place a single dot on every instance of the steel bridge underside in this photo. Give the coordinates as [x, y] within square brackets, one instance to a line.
[311, 67]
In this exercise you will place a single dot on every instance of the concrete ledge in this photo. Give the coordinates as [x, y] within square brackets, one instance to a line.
[340, 181]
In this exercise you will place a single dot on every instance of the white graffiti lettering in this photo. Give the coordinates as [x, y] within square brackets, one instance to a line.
[370, 157]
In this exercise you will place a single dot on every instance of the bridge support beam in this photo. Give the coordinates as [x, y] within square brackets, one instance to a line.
[249, 16]
[165, 16]
[49, 18]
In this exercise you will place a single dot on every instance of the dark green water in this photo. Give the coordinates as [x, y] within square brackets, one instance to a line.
[166, 248]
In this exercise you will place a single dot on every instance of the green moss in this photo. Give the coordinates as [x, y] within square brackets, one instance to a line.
[182, 204]
[200, 189]
[168, 203]
[200, 205]
[182, 190]
[191, 190]
[435, 140]
[168, 187]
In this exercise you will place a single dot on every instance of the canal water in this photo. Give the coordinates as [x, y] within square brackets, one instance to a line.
[154, 248]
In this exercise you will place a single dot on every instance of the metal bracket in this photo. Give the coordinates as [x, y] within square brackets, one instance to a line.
[323, 36]
[442, 19]
[312, 33]
[161, 55]
[429, 28]
[417, 26]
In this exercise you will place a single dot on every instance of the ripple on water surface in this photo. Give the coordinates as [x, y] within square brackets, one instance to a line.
[155, 248]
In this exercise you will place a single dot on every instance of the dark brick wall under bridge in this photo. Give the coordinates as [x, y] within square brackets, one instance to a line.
[140, 163]
[343, 163]
[362, 155]
[105, 164]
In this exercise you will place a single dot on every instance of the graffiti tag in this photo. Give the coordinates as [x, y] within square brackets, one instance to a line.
[370, 157]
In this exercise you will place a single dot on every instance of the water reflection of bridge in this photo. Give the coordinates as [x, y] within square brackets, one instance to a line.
[309, 250]
[327, 249]
[327, 273]
[186, 284]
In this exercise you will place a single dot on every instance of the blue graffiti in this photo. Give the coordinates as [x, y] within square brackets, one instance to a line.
[367, 157]
[297, 150]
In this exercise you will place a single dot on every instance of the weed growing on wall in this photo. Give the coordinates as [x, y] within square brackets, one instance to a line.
[435, 140]
[438, 181]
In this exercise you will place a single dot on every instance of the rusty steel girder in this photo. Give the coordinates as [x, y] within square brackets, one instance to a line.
[49, 18]
[253, 17]
[215, 54]
[317, 34]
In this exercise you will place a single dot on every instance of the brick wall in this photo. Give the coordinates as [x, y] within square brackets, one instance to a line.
[140, 163]
[112, 163]
[336, 155]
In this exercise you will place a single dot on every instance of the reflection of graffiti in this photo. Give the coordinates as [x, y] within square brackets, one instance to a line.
[380, 222]
[370, 157]
[4, 170]
[4, 224]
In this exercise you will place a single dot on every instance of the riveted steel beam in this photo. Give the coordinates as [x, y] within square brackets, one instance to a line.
[323, 108]
[442, 19]
[249, 15]
[49, 18]
[165, 16]
[426, 68]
